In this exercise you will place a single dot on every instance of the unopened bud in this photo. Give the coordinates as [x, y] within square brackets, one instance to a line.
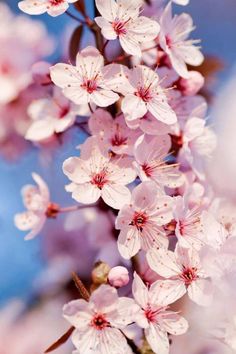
[118, 276]
[100, 273]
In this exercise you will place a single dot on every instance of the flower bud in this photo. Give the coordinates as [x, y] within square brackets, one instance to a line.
[118, 276]
[40, 73]
[100, 273]
[192, 84]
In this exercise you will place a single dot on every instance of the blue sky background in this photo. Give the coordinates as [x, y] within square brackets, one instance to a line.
[21, 261]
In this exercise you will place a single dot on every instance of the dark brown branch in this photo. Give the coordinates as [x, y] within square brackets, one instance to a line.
[80, 286]
[61, 340]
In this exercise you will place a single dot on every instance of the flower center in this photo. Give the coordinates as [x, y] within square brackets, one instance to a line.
[144, 93]
[189, 275]
[64, 111]
[168, 41]
[118, 140]
[99, 321]
[119, 27]
[100, 179]
[90, 85]
[55, 2]
[151, 313]
[139, 220]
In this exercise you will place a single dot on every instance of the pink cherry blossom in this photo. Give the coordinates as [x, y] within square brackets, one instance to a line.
[99, 321]
[121, 19]
[175, 43]
[36, 200]
[15, 68]
[188, 224]
[154, 315]
[50, 116]
[199, 142]
[150, 154]
[95, 174]
[52, 7]
[118, 276]
[140, 221]
[191, 85]
[184, 273]
[143, 94]
[114, 133]
[89, 81]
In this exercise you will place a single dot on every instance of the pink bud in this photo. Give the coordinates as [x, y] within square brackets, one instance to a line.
[118, 276]
[192, 85]
[40, 73]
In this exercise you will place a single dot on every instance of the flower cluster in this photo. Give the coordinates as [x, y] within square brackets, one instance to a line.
[139, 179]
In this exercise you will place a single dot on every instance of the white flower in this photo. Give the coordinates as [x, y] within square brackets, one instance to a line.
[99, 321]
[95, 174]
[36, 200]
[89, 81]
[143, 94]
[121, 19]
[175, 43]
[154, 317]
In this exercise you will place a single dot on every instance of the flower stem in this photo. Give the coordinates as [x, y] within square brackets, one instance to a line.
[80, 286]
[76, 18]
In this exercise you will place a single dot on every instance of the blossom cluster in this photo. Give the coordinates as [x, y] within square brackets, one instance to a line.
[144, 202]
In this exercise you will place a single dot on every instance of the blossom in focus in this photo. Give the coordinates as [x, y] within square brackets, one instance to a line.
[98, 322]
[189, 226]
[140, 221]
[89, 81]
[143, 94]
[52, 7]
[37, 202]
[175, 43]
[121, 19]
[154, 315]
[114, 133]
[95, 174]
[199, 142]
[185, 273]
[150, 153]
[50, 116]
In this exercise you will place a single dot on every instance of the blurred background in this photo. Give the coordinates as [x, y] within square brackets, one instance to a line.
[23, 263]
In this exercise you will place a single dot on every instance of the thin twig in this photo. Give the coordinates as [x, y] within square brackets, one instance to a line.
[75, 207]
[61, 340]
[80, 286]
[76, 18]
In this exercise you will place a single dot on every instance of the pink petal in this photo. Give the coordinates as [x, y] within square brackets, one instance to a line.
[163, 262]
[165, 292]
[128, 242]
[115, 195]
[86, 193]
[140, 291]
